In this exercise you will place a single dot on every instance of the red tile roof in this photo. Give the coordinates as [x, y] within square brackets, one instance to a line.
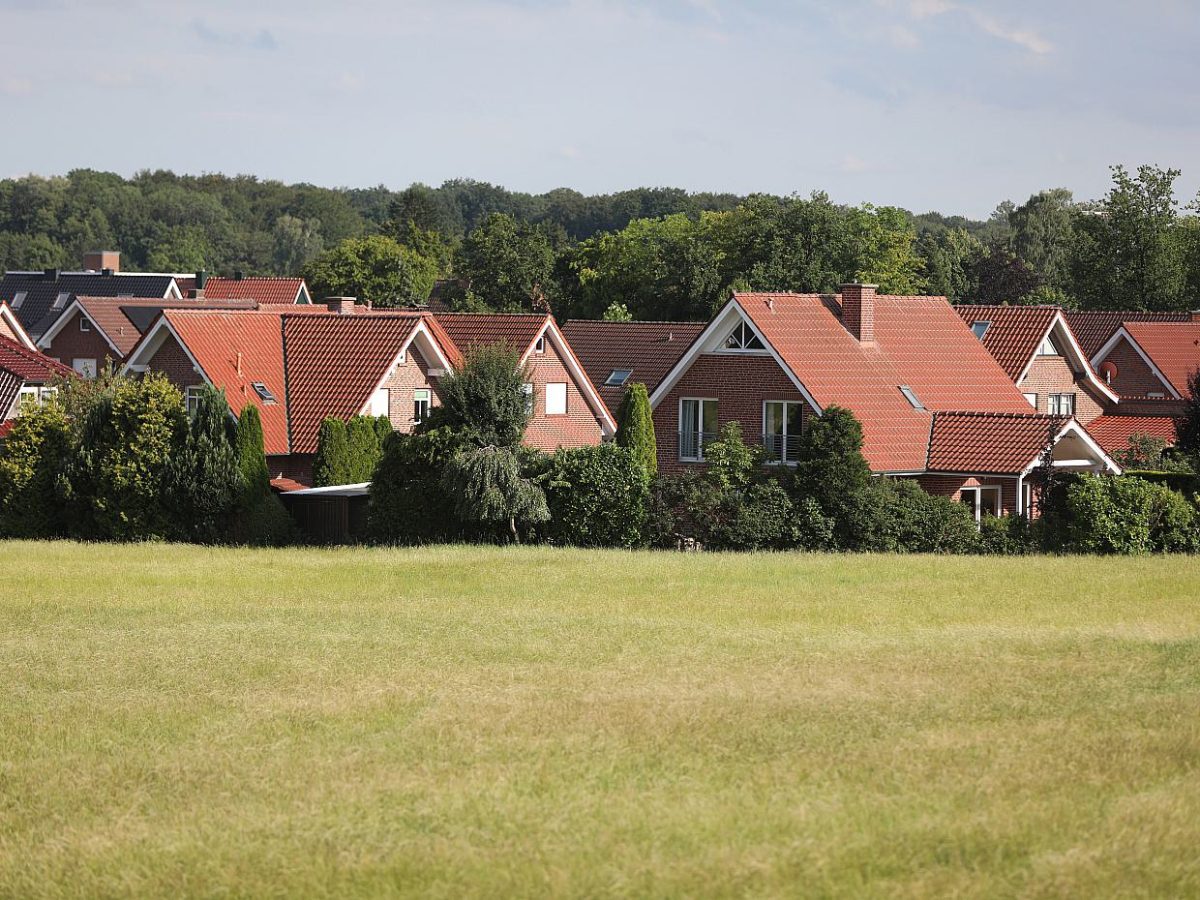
[1173, 346]
[286, 485]
[1113, 432]
[647, 349]
[467, 330]
[334, 362]
[989, 443]
[236, 349]
[29, 365]
[1093, 328]
[1014, 333]
[6, 427]
[260, 289]
[115, 317]
[920, 342]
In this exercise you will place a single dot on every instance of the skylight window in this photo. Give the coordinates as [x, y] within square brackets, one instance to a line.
[979, 329]
[18, 299]
[61, 300]
[911, 397]
[743, 338]
[264, 392]
[618, 377]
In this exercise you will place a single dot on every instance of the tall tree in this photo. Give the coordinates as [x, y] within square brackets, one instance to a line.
[333, 464]
[374, 269]
[204, 476]
[1043, 229]
[485, 400]
[508, 265]
[635, 427]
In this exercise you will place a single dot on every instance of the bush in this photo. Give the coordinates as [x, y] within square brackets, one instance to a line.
[758, 517]
[635, 427]
[1006, 536]
[484, 401]
[32, 459]
[909, 520]
[1174, 524]
[333, 464]
[365, 448]
[408, 503]
[1127, 515]
[598, 497]
[204, 477]
[488, 487]
[832, 470]
[260, 519]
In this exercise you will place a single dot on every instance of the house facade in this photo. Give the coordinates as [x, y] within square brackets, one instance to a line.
[27, 377]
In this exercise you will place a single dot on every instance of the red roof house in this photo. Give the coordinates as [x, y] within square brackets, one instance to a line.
[287, 291]
[26, 376]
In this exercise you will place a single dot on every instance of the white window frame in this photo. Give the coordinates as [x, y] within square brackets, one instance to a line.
[1031, 398]
[1054, 404]
[1047, 347]
[700, 401]
[539, 346]
[785, 404]
[552, 389]
[381, 403]
[978, 490]
[980, 328]
[18, 299]
[191, 398]
[747, 332]
[28, 397]
[88, 368]
[85, 324]
[422, 396]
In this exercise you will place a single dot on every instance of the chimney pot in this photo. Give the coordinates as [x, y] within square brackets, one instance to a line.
[858, 311]
[237, 275]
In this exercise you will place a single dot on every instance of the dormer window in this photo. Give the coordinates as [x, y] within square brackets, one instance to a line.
[539, 346]
[911, 396]
[979, 329]
[1047, 348]
[743, 338]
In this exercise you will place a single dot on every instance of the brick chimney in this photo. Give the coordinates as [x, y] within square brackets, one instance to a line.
[99, 260]
[341, 305]
[858, 311]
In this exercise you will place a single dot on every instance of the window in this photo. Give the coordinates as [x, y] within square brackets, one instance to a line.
[981, 501]
[528, 399]
[85, 324]
[1032, 398]
[782, 421]
[264, 393]
[697, 427]
[911, 396]
[18, 299]
[743, 338]
[31, 396]
[1048, 348]
[1060, 404]
[191, 398]
[618, 377]
[539, 346]
[979, 329]
[61, 300]
[421, 402]
[85, 367]
[402, 358]
[381, 402]
[1156, 395]
[556, 398]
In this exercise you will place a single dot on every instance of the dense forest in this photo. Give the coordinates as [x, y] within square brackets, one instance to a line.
[655, 253]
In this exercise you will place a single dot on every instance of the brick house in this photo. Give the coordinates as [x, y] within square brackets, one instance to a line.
[26, 376]
[272, 289]
[933, 403]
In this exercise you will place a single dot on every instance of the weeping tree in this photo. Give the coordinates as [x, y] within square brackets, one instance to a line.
[488, 488]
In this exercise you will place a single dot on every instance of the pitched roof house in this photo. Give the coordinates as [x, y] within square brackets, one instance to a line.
[933, 403]
[1037, 348]
[39, 298]
[25, 374]
[285, 290]
[1093, 327]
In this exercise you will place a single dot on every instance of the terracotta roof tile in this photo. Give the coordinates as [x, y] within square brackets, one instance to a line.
[125, 319]
[468, 330]
[28, 365]
[36, 312]
[1093, 328]
[1173, 346]
[259, 289]
[989, 443]
[648, 350]
[6, 427]
[1014, 333]
[1113, 432]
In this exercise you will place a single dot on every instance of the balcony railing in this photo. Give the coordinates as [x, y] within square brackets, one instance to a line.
[692, 444]
[781, 447]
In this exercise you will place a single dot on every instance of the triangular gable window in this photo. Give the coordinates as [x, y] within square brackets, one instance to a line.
[1048, 348]
[743, 338]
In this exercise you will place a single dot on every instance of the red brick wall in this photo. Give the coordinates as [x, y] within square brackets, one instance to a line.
[296, 466]
[1052, 375]
[1169, 408]
[740, 383]
[578, 428]
[7, 331]
[407, 377]
[71, 344]
[171, 361]
[951, 486]
[1134, 377]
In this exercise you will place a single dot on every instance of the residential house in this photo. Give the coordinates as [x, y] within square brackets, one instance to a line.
[933, 403]
[1038, 350]
[286, 290]
[618, 354]
[26, 376]
[1093, 327]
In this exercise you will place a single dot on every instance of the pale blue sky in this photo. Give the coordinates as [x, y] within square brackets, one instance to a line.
[951, 105]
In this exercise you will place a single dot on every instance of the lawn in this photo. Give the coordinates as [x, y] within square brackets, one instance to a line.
[482, 722]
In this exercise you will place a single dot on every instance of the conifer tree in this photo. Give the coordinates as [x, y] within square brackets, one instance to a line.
[635, 427]
[333, 464]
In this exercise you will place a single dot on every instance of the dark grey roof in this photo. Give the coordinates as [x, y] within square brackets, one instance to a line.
[36, 312]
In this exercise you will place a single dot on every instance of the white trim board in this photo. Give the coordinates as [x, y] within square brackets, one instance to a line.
[1112, 342]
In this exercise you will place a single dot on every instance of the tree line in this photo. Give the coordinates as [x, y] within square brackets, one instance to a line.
[647, 253]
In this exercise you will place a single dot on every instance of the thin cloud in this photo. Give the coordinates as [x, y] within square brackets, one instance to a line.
[1030, 40]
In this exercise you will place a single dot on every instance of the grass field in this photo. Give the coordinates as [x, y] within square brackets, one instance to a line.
[486, 722]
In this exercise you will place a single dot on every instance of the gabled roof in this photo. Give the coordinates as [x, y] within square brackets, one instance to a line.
[37, 312]
[1093, 328]
[1014, 333]
[122, 321]
[334, 362]
[1173, 348]
[1113, 432]
[30, 366]
[517, 330]
[920, 342]
[989, 443]
[262, 289]
[647, 350]
[11, 327]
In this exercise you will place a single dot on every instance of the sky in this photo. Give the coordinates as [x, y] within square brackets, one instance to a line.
[947, 105]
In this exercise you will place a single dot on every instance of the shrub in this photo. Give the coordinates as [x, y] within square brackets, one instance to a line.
[1174, 524]
[1187, 426]
[484, 401]
[758, 517]
[32, 458]
[598, 497]
[365, 448]
[260, 519]
[635, 427]
[909, 520]
[1005, 536]
[204, 476]
[333, 464]
[1109, 515]
[832, 471]
[488, 487]
[408, 503]
[732, 463]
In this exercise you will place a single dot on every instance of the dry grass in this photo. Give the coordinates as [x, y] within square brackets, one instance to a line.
[481, 722]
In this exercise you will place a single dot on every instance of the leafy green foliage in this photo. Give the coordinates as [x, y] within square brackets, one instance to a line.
[909, 520]
[1006, 536]
[364, 447]
[1128, 515]
[408, 503]
[1187, 426]
[374, 269]
[333, 464]
[832, 471]
[635, 427]
[488, 487]
[204, 476]
[484, 400]
[32, 458]
[260, 519]
[597, 497]
[508, 264]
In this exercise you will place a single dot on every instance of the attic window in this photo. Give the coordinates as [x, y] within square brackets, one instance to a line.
[979, 329]
[618, 377]
[539, 345]
[911, 397]
[264, 393]
[743, 338]
[18, 299]
[61, 300]
[1048, 348]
